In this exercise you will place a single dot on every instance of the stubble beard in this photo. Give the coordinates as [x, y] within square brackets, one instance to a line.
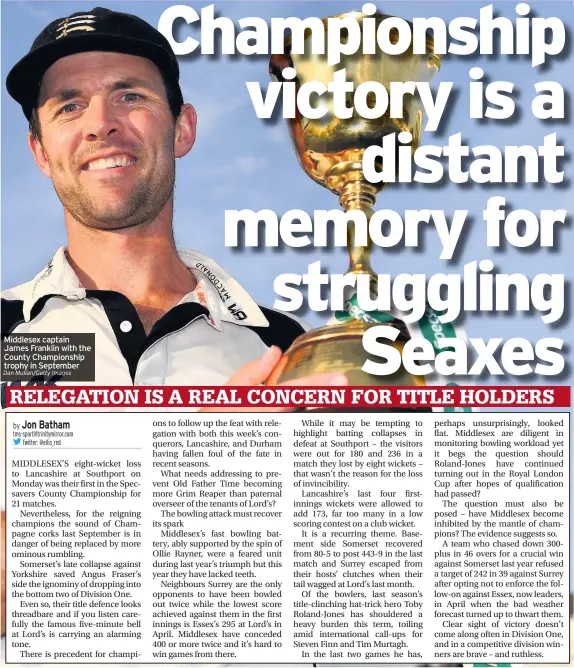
[139, 207]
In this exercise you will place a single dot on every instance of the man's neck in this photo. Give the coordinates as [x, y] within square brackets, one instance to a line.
[144, 268]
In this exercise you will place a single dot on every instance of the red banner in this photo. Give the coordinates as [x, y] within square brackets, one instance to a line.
[290, 397]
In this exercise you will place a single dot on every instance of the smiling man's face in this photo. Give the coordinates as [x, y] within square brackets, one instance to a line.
[108, 138]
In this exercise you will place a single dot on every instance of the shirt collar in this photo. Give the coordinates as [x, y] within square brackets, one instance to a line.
[57, 278]
[225, 299]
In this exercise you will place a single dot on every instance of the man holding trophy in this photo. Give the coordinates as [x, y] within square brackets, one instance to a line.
[107, 121]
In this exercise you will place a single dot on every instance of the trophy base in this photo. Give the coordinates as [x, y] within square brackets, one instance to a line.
[339, 348]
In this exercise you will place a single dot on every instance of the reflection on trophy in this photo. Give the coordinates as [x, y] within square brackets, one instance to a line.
[330, 151]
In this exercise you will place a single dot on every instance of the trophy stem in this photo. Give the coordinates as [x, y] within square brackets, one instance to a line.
[358, 195]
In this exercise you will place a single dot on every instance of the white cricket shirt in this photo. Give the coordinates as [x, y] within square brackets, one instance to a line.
[201, 341]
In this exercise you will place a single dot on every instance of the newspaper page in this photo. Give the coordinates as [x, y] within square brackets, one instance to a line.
[286, 335]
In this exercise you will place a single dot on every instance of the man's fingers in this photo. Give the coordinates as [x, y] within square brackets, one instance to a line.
[256, 372]
[250, 375]
[316, 380]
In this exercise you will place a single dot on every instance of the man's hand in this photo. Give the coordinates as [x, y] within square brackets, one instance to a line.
[257, 372]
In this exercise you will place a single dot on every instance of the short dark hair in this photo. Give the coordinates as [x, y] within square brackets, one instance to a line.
[34, 126]
[173, 98]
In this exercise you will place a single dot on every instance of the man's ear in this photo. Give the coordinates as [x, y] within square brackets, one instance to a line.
[40, 157]
[185, 131]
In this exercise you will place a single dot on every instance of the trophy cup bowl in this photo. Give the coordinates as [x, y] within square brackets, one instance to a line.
[330, 150]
